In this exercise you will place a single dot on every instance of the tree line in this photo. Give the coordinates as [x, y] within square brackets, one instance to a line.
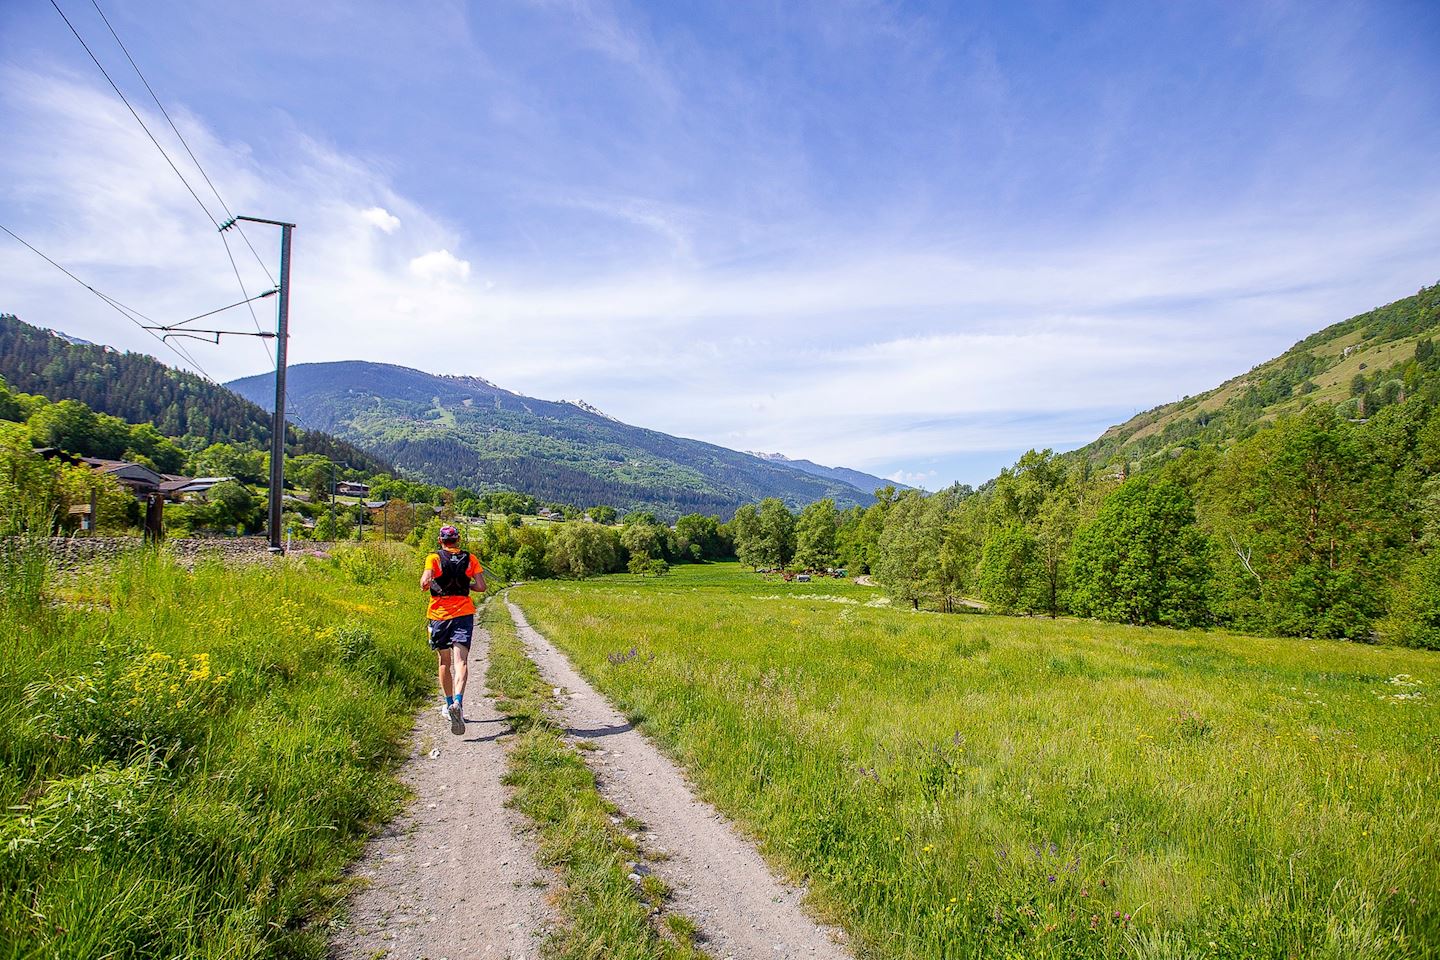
[1318, 525]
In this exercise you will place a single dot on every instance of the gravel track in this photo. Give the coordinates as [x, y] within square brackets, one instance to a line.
[454, 876]
[743, 911]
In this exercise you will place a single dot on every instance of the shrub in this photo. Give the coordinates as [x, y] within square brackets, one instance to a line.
[373, 562]
[1414, 618]
[139, 699]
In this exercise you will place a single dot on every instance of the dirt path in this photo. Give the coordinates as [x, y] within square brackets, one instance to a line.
[454, 876]
[742, 910]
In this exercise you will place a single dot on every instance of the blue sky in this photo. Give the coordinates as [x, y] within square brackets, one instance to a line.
[911, 238]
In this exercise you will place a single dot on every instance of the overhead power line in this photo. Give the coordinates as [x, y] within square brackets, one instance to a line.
[208, 182]
[129, 313]
[181, 137]
[163, 153]
[123, 99]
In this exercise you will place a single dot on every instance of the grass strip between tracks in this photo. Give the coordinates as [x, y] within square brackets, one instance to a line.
[605, 913]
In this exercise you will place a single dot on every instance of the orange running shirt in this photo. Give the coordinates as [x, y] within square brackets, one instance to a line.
[448, 608]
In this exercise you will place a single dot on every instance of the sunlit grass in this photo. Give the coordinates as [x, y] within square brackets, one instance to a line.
[188, 760]
[965, 785]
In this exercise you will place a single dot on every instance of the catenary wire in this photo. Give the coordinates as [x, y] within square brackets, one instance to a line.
[229, 254]
[208, 215]
[129, 313]
[181, 137]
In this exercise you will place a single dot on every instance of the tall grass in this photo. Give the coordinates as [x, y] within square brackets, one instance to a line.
[25, 559]
[992, 787]
[189, 759]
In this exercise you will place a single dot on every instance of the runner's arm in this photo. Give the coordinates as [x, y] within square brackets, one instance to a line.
[477, 580]
[428, 576]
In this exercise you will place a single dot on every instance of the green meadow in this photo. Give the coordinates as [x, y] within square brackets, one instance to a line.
[978, 786]
[189, 759]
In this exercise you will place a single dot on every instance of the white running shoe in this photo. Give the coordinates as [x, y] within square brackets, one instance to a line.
[457, 722]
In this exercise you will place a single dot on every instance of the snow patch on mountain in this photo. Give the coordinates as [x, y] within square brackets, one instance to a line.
[590, 408]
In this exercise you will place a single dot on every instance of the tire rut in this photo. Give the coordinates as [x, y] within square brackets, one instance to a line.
[454, 875]
[718, 878]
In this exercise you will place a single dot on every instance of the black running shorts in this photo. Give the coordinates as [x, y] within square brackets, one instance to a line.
[444, 634]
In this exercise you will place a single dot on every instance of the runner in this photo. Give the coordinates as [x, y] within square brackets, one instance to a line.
[450, 575]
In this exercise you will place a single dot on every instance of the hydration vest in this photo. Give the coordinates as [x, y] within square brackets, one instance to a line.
[453, 581]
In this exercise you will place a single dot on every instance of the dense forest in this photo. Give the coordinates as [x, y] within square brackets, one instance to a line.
[140, 389]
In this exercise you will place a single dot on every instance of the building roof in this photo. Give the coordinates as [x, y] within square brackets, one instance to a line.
[135, 474]
[190, 484]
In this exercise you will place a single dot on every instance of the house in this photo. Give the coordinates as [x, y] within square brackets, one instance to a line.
[140, 479]
[147, 485]
[350, 488]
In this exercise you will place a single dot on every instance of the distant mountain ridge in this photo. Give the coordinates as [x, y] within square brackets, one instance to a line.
[466, 431]
[855, 478]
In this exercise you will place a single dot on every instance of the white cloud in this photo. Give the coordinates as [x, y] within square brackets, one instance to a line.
[381, 219]
[439, 265]
[923, 479]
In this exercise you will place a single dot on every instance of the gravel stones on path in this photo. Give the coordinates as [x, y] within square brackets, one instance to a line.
[719, 881]
[454, 876]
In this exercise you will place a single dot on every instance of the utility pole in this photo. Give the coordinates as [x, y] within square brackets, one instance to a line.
[333, 466]
[282, 340]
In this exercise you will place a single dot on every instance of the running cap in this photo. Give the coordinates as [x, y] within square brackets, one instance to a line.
[448, 532]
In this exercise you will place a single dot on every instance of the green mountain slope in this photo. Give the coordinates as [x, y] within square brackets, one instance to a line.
[466, 431]
[140, 389]
[1360, 363]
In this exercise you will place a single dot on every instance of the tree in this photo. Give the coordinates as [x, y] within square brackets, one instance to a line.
[333, 526]
[231, 504]
[227, 460]
[1302, 514]
[603, 514]
[1010, 573]
[858, 542]
[956, 565]
[1143, 560]
[908, 549]
[10, 408]
[145, 441]
[1414, 617]
[697, 537]
[583, 550]
[815, 535]
[744, 530]
[69, 425]
[646, 540]
[775, 533]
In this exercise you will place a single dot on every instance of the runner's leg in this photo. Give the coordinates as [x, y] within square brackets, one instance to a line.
[461, 667]
[447, 679]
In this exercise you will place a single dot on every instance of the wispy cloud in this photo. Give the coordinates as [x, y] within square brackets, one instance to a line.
[848, 233]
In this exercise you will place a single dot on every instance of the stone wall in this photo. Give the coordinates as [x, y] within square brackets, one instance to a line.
[72, 552]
